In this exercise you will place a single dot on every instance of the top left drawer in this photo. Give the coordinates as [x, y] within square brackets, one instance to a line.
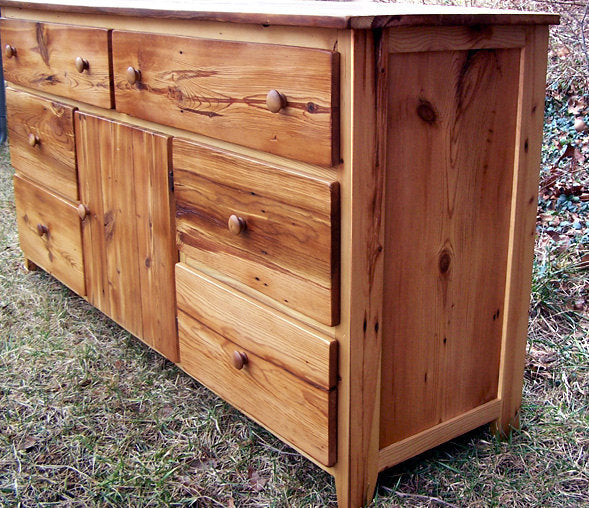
[64, 60]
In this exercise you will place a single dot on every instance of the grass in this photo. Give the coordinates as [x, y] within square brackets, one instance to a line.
[89, 416]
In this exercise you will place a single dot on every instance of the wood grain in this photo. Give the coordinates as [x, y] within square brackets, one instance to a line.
[59, 251]
[360, 333]
[290, 247]
[45, 59]
[156, 246]
[291, 408]
[341, 15]
[441, 433]
[522, 226]
[454, 38]
[52, 162]
[450, 159]
[129, 237]
[218, 88]
[289, 344]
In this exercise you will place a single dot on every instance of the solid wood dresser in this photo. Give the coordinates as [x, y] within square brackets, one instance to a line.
[323, 212]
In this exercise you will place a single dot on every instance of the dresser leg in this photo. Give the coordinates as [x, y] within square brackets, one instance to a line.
[30, 266]
[355, 490]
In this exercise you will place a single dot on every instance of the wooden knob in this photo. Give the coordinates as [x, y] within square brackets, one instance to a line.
[275, 101]
[239, 359]
[236, 224]
[133, 75]
[83, 211]
[9, 51]
[34, 140]
[82, 64]
[42, 229]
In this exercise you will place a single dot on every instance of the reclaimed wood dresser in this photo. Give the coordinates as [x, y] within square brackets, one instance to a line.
[323, 212]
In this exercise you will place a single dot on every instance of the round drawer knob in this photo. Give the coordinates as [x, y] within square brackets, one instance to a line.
[239, 359]
[42, 229]
[83, 211]
[9, 51]
[236, 224]
[82, 64]
[133, 75]
[34, 140]
[275, 101]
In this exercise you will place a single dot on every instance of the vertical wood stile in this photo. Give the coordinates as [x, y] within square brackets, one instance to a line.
[362, 228]
[532, 86]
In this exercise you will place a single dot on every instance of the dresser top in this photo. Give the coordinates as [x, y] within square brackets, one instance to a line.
[362, 15]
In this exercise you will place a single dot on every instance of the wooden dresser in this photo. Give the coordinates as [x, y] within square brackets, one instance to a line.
[323, 212]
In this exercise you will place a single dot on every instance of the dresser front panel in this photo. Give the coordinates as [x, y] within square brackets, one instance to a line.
[219, 89]
[289, 246]
[50, 233]
[45, 56]
[272, 384]
[42, 145]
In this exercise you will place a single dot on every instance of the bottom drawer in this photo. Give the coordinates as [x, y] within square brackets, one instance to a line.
[50, 233]
[255, 377]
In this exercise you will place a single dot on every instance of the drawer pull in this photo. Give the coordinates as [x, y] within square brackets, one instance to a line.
[34, 140]
[236, 224]
[239, 359]
[82, 64]
[42, 229]
[133, 75]
[83, 211]
[9, 51]
[275, 101]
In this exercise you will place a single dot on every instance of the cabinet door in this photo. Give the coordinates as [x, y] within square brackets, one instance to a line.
[128, 235]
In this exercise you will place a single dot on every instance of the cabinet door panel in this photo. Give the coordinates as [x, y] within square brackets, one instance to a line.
[129, 235]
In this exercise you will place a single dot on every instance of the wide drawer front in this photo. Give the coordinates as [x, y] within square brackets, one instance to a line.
[42, 145]
[271, 228]
[278, 371]
[60, 59]
[50, 233]
[220, 89]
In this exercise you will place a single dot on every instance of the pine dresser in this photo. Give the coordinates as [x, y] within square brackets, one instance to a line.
[324, 212]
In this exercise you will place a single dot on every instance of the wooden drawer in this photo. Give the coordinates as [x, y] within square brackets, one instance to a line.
[219, 89]
[288, 382]
[289, 246]
[50, 233]
[44, 57]
[42, 146]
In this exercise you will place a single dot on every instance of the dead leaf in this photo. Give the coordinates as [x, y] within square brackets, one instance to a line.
[165, 411]
[256, 482]
[577, 105]
[563, 52]
[580, 125]
[29, 443]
